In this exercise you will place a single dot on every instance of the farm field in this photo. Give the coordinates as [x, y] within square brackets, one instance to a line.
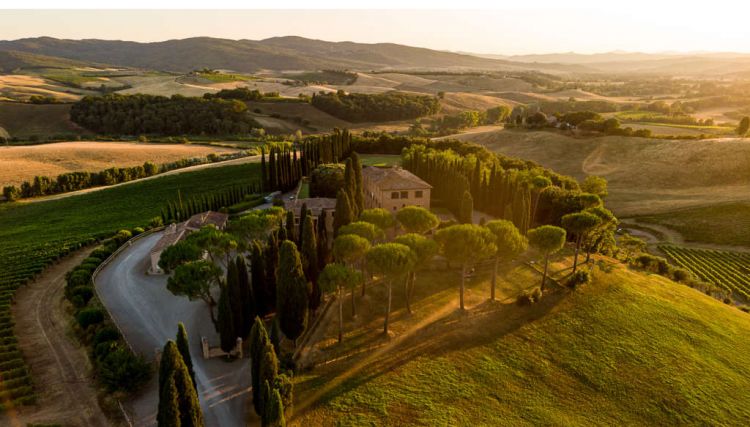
[646, 176]
[27, 120]
[620, 350]
[34, 235]
[728, 270]
[23, 163]
[720, 224]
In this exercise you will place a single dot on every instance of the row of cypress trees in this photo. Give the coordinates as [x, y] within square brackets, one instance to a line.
[285, 166]
[236, 304]
[180, 210]
[498, 192]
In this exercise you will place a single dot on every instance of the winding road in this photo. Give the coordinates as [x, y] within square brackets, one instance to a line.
[147, 314]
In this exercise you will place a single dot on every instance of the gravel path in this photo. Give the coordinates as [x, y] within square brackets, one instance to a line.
[147, 313]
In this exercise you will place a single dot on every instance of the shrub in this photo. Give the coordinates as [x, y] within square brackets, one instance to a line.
[121, 370]
[122, 236]
[81, 295]
[105, 334]
[681, 275]
[138, 230]
[89, 316]
[326, 180]
[527, 297]
[581, 277]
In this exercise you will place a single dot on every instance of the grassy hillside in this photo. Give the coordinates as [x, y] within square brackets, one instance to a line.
[628, 349]
[646, 175]
[26, 120]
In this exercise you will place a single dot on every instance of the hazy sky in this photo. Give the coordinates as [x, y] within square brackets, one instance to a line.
[653, 26]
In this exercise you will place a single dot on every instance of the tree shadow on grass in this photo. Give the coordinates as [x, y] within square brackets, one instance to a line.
[447, 330]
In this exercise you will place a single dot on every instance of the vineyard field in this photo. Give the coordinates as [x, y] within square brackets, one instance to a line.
[729, 270]
[34, 235]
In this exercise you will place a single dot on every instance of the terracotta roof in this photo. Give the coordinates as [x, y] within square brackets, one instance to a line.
[315, 204]
[205, 218]
[172, 234]
[394, 178]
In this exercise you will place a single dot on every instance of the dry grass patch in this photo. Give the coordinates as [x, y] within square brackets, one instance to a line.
[22, 163]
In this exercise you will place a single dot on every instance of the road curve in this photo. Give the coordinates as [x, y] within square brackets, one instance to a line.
[147, 313]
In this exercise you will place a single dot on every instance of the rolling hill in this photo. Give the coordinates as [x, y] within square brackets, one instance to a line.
[278, 53]
[645, 175]
[627, 349]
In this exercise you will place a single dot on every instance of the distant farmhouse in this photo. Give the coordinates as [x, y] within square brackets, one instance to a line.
[393, 188]
[173, 233]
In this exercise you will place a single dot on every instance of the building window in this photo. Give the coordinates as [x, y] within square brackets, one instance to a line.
[394, 195]
[418, 194]
[404, 194]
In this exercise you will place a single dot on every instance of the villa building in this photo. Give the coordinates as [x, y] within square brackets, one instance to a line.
[394, 188]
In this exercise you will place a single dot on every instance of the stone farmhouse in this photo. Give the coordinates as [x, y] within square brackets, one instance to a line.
[393, 188]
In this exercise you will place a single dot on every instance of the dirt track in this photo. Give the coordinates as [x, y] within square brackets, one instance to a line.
[60, 368]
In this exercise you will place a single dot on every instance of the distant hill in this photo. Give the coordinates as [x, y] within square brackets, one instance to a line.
[14, 60]
[698, 63]
[278, 53]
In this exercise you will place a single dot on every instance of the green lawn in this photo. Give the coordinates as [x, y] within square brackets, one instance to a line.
[628, 349]
[724, 224]
[380, 159]
[304, 191]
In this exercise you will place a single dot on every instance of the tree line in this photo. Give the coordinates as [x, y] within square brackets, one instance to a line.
[180, 210]
[359, 107]
[150, 114]
[284, 167]
[73, 181]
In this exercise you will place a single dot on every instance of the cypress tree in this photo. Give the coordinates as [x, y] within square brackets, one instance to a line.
[235, 298]
[303, 213]
[168, 414]
[246, 296]
[275, 411]
[275, 335]
[190, 408]
[268, 370]
[467, 208]
[343, 214]
[258, 278]
[258, 341]
[292, 294]
[173, 371]
[359, 198]
[310, 262]
[350, 185]
[322, 237]
[290, 226]
[272, 262]
[183, 346]
[225, 321]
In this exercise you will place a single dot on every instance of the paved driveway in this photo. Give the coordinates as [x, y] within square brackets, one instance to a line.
[148, 314]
